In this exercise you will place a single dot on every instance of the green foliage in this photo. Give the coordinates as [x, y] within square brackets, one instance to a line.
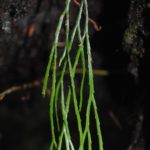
[57, 88]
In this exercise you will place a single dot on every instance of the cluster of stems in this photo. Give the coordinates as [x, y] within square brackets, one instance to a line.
[57, 88]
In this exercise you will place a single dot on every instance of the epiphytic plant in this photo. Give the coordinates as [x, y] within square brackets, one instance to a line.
[66, 64]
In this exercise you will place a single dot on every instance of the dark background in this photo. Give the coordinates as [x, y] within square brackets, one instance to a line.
[122, 99]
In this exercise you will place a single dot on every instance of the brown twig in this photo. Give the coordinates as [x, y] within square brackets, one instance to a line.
[30, 30]
[76, 2]
[93, 22]
[96, 27]
[115, 119]
[18, 88]
[37, 83]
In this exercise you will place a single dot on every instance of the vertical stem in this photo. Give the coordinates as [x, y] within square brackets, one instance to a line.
[52, 101]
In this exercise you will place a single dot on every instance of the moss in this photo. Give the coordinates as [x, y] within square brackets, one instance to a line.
[132, 39]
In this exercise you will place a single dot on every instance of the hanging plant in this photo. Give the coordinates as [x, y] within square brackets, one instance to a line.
[57, 64]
